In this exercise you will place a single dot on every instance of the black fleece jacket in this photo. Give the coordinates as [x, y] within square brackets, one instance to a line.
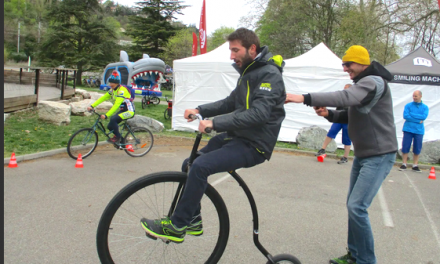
[254, 110]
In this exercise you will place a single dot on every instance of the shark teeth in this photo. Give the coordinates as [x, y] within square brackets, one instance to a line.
[157, 74]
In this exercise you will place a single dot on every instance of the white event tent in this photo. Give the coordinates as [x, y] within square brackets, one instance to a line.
[210, 77]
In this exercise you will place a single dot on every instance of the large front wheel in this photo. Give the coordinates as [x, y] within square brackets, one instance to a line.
[84, 142]
[138, 142]
[121, 239]
[285, 259]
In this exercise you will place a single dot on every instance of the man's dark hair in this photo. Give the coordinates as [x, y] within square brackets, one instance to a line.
[246, 37]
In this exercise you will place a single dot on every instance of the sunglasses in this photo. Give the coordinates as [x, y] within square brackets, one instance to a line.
[347, 64]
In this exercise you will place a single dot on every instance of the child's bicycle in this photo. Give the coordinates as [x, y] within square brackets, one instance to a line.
[169, 111]
[121, 239]
[137, 141]
[148, 100]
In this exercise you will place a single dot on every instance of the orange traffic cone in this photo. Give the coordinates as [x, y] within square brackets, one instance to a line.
[79, 162]
[130, 148]
[321, 157]
[432, 174]
[13, 161]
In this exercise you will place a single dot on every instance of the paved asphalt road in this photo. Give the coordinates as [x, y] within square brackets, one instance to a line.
[52, 209]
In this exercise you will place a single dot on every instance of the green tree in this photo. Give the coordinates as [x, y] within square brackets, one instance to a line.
[218, 37]
[179, 46]
[78, 36]
[151, 28]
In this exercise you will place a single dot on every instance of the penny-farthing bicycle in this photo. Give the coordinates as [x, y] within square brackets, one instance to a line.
[121, 239]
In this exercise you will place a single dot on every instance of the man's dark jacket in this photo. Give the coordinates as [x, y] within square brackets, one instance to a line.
[254, 110]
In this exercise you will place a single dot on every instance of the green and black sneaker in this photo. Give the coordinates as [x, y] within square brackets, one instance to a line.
[195, 228]
[163, 229]
[346, 259]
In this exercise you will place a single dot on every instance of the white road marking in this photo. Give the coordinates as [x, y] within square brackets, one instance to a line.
[387, 219]
[222, 179]
[428, 215]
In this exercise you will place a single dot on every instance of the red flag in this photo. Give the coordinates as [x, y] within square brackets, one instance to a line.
[439, 4]
[202, 30]
[194, 48]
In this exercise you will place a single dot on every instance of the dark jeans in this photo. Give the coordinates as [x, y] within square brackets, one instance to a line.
[220, 155]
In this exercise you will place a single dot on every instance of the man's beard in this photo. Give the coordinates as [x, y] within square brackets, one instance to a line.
[246, 60]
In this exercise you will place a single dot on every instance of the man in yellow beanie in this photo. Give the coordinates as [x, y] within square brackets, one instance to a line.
[373, 133]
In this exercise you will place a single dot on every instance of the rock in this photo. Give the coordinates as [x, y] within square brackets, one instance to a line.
[147, 122]
[313, 137]
[103, 107]
[430, 152]
[54, 112]
[83, 93]
[75, 99]
[80, 108]
[94, 95]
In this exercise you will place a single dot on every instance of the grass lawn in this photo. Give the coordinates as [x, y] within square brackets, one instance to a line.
[25, 134]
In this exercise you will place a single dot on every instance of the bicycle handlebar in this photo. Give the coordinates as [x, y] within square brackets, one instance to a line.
[198, 116]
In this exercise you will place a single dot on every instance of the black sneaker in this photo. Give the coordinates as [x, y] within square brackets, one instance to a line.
[402, 168]
[343, 160]
[320, 152]
[195, 228]
[163, 229]
[416, 169]
[346, 259]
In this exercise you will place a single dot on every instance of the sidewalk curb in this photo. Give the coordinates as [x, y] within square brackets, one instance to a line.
[305, 152]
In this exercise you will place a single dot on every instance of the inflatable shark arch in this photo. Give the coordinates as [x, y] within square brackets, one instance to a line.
[144, 76]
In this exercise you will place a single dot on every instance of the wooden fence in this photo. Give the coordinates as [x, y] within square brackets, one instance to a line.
[36, 78]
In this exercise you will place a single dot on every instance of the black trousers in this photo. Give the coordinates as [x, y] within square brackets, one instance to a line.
[221, 154]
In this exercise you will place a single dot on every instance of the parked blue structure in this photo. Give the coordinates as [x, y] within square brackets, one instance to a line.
[144, 76]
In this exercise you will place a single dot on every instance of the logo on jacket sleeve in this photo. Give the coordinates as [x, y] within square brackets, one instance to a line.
[266, 87]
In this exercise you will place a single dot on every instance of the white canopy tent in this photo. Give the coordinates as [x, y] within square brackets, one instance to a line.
[210, 77]
[201, 79]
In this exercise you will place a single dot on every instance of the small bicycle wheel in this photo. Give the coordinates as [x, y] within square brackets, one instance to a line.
[121, 239]
[155, 100]
[141, 141]
[166, 114]
[284, 259]
[83, 142]
[144, 102]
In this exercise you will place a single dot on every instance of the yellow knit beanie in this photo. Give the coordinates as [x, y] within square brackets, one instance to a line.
[358, 54]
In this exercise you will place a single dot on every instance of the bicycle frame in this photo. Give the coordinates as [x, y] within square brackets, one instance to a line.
[123, 125]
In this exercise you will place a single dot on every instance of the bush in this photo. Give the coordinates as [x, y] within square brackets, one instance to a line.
[18, 57]
[6, 56]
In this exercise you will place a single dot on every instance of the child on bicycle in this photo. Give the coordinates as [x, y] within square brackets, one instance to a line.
[251, 116]
[122, 102]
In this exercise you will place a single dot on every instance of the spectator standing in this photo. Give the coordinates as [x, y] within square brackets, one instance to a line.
[334, 130]
[414, 114]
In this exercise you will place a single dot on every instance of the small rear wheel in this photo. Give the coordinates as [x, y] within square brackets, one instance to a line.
[138, 142]
[285, 259]
[167, 114]
[84, 142]
[155, 100]
[144, 102]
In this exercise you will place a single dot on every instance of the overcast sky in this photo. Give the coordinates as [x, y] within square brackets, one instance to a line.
[218, 12]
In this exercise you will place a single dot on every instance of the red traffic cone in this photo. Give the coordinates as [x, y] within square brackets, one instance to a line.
[321, 157]
[79, 162]
[130, 148]
[13, 161]
[432, 174]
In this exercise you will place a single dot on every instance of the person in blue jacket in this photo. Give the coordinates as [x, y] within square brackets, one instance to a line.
[414, 114]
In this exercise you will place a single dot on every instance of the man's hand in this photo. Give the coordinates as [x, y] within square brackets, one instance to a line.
[102, 116]
[89, 108]
[190, 112]
[204, 124]
[294, 98]
[321, 110]
[421, 122]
